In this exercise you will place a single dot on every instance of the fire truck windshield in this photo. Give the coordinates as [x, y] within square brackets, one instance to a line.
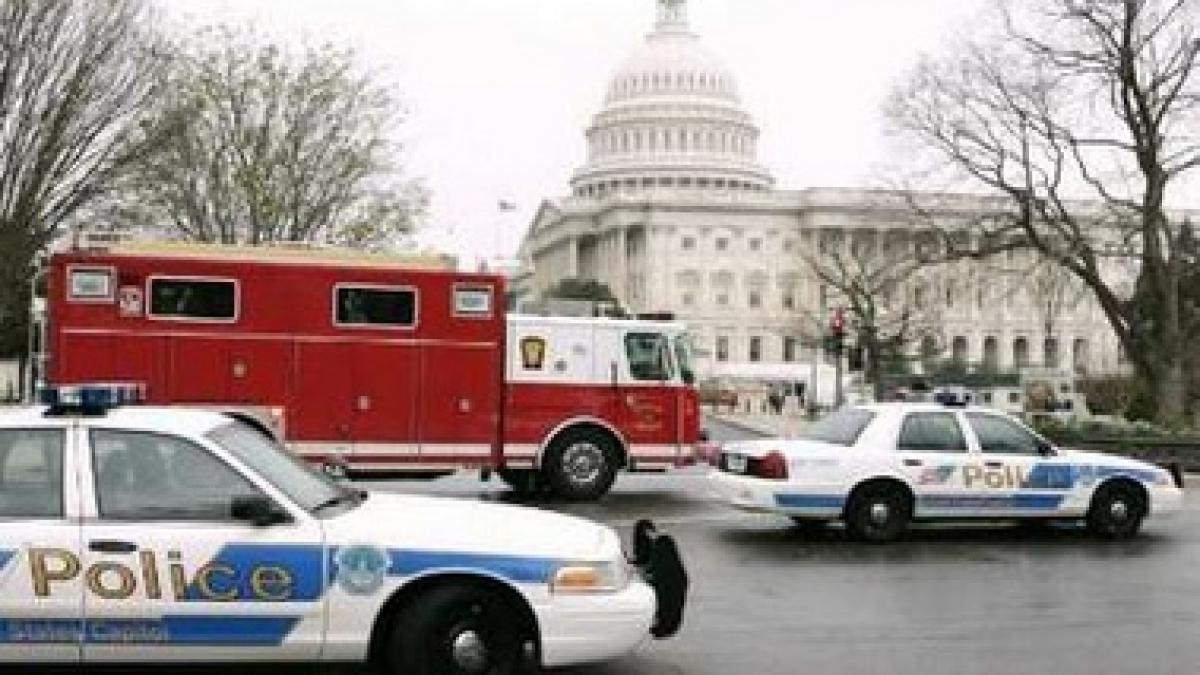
[305, 485]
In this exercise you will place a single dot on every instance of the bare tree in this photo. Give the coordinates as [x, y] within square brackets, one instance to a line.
[74, 79]
[876, 283]
[256, 145]
[1069, 100]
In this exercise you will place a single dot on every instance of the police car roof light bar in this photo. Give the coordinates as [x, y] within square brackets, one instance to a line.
[92, 398]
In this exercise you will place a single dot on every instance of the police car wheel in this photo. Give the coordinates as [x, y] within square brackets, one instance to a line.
[1117, 511]
[581, 465]
[878, 513]
[459, 630]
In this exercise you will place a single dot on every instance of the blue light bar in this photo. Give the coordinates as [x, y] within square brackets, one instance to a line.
[92, 398]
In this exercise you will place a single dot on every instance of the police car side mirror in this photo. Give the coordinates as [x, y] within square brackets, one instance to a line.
[258, 510]
[1044, 449]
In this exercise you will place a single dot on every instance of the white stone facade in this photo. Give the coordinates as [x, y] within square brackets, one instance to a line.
[674, 213]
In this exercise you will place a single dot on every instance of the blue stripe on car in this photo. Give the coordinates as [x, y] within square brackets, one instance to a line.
[195, 631]
[5, 557]
[519, 569]
[1020, 501]
[803, 501]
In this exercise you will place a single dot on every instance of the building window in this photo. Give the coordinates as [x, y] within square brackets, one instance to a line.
[756, 244]
[959, 350]
[723, 299]
[789, 300]
[375, 306]
[755, 300]
[722, 348]
[193, 299]
[991, 354]
[789, 245]
[689, 243]
[755, 349]
[1050, 352]
[722, 244]
[689, 299]
[790, 345]
[1021, 352]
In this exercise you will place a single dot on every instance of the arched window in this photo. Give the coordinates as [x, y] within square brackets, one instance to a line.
[1021, 352]
[624, 141]
[1050, 353]
[1081, 356]
[959, 350]
[991, 354]
[683, 139]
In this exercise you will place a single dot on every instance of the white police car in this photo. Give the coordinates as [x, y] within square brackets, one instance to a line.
[879, 467]
[165, 535]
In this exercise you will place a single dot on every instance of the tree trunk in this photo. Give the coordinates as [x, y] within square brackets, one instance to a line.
[1170, 389]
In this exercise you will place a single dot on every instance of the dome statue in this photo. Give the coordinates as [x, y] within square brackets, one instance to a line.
[672, 117]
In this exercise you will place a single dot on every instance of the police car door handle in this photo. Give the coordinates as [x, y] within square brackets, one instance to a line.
[994, 465]
[111, 546]
[913, 462]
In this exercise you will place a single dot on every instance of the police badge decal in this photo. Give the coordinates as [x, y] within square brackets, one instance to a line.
[361, 569]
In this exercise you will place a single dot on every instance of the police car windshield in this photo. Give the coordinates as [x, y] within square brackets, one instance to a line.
[840, 428]
[306, 486]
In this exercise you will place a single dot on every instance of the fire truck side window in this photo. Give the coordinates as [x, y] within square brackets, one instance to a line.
[371, 306]
[200, 299]
[649, 356]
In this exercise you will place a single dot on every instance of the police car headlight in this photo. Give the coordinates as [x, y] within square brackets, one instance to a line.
[592, 577]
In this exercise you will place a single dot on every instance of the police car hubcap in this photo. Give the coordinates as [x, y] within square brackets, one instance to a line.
[583, 462]
[1119, 511]
[880, 513]
[469, 652]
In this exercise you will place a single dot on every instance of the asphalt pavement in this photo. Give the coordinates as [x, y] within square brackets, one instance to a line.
[957, 600]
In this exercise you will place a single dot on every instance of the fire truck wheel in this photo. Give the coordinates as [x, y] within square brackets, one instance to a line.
[581, 464]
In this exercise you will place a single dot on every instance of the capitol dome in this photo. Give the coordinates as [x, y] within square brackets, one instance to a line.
[672, 117]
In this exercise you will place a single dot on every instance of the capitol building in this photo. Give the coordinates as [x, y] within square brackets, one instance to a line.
[673, 211]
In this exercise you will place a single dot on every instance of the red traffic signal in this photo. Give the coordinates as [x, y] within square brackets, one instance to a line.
[837, 325]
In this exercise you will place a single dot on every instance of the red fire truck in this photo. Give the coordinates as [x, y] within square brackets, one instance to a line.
[384, 366]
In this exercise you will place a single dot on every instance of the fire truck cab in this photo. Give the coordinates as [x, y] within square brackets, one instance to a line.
[382, 366]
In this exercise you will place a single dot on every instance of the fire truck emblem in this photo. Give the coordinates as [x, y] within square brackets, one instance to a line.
[362, 569]
[130, 301]
[533, 353]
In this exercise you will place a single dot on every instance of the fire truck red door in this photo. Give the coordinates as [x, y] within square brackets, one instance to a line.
[649, 404]
[460, 398]
[385, 392]
[318, 411]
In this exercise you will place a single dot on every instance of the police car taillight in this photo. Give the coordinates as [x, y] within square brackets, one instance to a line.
[772, 466]
[90, 399]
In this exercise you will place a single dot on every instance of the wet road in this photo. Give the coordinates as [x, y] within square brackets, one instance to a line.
[948, 599]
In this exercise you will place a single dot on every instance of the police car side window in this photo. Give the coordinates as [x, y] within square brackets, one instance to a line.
[932, 432]
[145, 476]
[999, 436]
[31, 473]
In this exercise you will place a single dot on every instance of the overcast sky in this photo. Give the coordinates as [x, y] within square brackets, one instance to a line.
[500, 91]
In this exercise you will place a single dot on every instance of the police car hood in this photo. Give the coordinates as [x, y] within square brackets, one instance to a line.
[1102, 459]
[463, 526]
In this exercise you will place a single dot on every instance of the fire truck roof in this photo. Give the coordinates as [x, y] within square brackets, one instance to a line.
[278, 254]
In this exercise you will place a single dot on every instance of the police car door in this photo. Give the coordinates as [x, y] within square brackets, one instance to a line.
[934, 453]
[172, 575]
[41, 604]
[1012, 475]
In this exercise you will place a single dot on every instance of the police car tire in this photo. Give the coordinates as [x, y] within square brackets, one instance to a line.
[557, 473]
[1100, 519]
[859, 518]
[425, 631]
